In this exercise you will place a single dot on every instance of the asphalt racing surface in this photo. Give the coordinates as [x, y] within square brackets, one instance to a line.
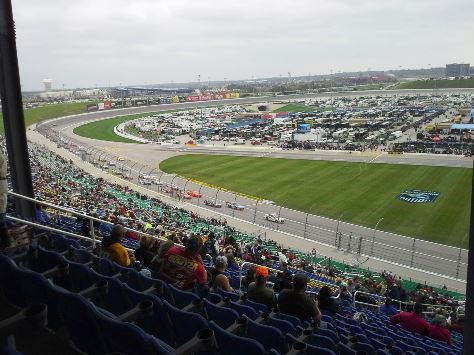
[359, 244]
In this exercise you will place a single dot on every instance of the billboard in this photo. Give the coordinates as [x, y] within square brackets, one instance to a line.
[192, 98]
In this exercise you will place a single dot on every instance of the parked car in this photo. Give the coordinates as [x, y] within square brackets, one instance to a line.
[273, 217]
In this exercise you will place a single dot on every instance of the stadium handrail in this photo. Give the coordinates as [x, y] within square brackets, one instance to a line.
[73, 212]
[246, 263]
[400, 303]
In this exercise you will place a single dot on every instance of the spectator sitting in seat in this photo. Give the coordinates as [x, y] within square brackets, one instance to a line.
[218, 278]
[160, 255]
[113, 248]
[388, 308]
[250, 276]
[326, 302]
[258, 290]
[283, 280]
[297, 303]
[146, 251]
[438, 330]
[412, 321]
[182, 267]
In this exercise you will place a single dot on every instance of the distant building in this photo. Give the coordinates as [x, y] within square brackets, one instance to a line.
[48, 84]
[456, 69]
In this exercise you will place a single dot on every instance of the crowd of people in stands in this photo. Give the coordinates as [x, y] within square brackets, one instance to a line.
[64, 184]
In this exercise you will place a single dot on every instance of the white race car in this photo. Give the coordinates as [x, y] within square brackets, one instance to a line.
[273, 217]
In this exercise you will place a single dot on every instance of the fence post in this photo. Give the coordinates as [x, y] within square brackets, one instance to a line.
[459, 263]
[255, 212]
[360, 246]
[373, 237]
[412, 252]
[306, 226]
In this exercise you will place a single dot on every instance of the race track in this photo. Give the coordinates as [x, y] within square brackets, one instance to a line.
[401, 250]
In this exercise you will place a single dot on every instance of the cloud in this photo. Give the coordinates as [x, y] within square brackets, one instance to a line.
[83, 43]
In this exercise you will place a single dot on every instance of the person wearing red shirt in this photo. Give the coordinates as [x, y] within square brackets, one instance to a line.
[438, 329]
[182, 267]
[412, 321]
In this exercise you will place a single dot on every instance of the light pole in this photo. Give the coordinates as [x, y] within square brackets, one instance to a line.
[373, 236]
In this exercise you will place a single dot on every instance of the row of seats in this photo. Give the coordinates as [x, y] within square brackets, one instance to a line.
[177, 316]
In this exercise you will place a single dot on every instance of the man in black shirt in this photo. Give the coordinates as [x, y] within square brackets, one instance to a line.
[297, 303]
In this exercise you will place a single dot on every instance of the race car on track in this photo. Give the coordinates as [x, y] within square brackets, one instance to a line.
[235, 206]
[273, 217]
[193, 193]
[212, 203]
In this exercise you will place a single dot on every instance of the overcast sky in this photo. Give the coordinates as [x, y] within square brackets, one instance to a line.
[82, 43]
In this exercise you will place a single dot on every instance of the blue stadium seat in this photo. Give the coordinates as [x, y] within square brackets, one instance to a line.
[185, 324]
[309, 349]
[293, 320]
[241, 309]
[181, 298]
[81, 276]
[158, 324]
[128, 338]
[258, 307]
[230, 295]
[10, 281]
[345, 350]
[321, 342]
[367, 348]
[284, 326]
[270, 337]
[116, 300]
[77, 315]
[327, 333]
[214, 297]
[223, 316]
[231, 344]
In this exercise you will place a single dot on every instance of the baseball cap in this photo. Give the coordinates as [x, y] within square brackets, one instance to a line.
[262, 271]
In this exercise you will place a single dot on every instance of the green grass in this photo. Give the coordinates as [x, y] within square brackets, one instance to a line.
[440, 84]
[104, 130]
[37, 114]
[362, 192]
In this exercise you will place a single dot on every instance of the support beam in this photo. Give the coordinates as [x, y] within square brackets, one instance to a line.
[12, 107]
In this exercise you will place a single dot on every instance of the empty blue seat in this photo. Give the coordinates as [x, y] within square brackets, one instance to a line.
[182, 298]
[115, 300]
[294, 343]
[293, 320]
[242, 309]
[284, 326]
[223, 316]
[158, 324]
[270, 337]
[128, 338]
[77, 316]
[185, 324]
[231, 344]
[258, 307]
[231, 295]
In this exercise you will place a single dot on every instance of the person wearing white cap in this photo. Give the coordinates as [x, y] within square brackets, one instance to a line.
[218, 278]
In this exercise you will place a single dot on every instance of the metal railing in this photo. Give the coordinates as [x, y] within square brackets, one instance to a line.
[401, 304]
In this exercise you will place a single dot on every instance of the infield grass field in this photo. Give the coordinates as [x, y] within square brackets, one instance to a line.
[363, 192]
[38, 114]
[104, 129]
